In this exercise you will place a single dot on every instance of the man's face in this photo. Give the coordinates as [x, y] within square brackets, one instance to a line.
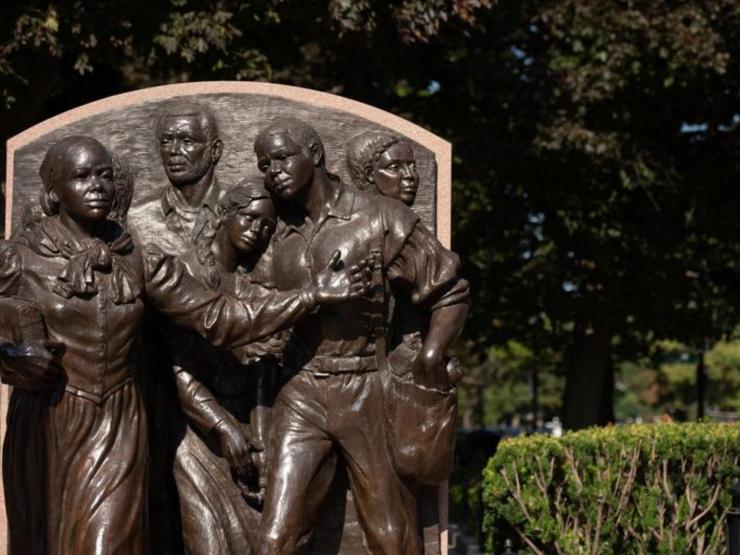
[185, 148]
[286, 167]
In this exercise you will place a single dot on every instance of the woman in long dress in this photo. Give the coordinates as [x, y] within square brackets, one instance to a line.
[74, 459]
[225, 399]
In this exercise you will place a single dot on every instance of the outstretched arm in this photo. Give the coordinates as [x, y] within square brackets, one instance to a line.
[229, 322]
[220, 319]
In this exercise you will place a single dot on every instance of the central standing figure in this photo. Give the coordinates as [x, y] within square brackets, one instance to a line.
[334, 401]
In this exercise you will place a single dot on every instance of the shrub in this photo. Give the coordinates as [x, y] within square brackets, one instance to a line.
[661, 488]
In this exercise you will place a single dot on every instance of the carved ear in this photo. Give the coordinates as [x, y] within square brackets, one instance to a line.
[370, 174]
[217, 148]
[317, 154]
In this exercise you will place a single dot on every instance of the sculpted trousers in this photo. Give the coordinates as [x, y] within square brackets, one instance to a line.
[313, 418]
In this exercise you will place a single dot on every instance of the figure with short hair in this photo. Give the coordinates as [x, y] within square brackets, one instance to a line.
[334, 401]
[189, 144]
[383, 162]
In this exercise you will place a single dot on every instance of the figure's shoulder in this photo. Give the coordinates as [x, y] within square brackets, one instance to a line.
[390, 210]
[395, 219]
[150, 206]
[146, 222]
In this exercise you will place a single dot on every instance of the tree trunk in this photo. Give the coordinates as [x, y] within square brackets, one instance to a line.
[589, 387]
[472, 417]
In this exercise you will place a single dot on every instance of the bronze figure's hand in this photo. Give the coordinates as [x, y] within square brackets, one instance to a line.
[153, 258]
[34, 366]
[429, 370]
[236, 445]
[337, 283]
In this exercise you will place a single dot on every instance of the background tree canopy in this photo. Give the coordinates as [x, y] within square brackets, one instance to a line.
[596, 147]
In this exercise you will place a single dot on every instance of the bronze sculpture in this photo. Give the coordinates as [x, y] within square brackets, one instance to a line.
[74, 461]
[333, 405]
[219, 475]
[214, 407]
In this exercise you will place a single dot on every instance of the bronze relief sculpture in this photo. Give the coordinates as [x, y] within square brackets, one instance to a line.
[74, 461]
[301, 326]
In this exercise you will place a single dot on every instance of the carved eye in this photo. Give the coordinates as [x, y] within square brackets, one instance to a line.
[187, 142]
[393, 166]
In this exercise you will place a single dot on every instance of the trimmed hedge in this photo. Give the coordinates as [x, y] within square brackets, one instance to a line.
[660, 488]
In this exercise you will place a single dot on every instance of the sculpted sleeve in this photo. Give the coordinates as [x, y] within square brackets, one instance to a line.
[197, 402]
[418, 262]
[220, 319]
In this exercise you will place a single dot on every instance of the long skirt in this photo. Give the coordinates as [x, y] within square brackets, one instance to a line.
[215, 516]
[75, 474]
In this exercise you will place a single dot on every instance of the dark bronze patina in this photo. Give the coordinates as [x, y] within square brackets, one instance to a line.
[302, 327]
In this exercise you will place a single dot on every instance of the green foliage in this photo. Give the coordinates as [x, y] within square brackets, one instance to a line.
[665, 381]
[503, 383]
[661, 488]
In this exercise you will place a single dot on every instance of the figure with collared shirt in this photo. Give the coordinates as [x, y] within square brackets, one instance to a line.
[190, 147]
[188, 142]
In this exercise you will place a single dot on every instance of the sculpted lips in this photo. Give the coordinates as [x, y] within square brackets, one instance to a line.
[97, 202]
[177, 165]
[280, 184]
[249, 241]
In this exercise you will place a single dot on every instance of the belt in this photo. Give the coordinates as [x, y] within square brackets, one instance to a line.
[322, 366]
[97, 399]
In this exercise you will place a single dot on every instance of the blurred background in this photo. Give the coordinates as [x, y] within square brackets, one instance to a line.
[596, 167]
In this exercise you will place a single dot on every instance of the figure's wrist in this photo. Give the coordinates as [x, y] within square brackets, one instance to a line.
[310, 298]
[220, 427]
[432, 355]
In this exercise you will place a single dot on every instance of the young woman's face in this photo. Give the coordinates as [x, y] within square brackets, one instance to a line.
[395, 173]
[86, 188]
[250, 228]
